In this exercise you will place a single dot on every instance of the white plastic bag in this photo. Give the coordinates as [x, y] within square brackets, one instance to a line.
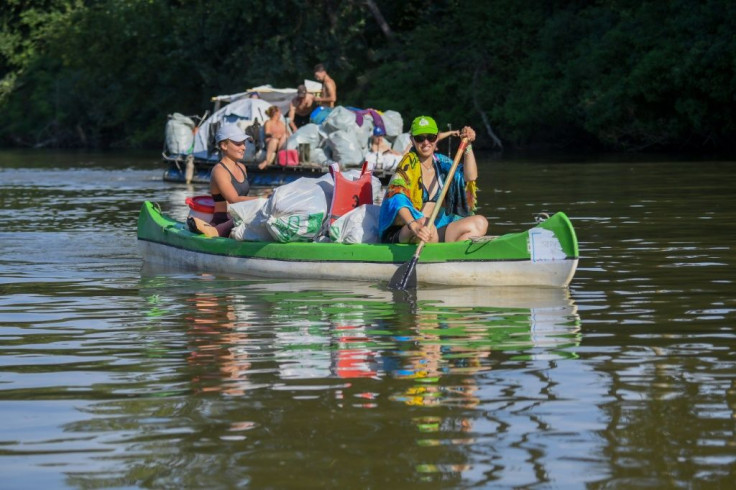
[386, 162]
[340, 119]
[249, 220]
[393, 123]
[179, 134]
[320, 156]
[309, 133]
[357, 226]
[296, 210]
[345, 148]
[401, 143]
[363, 133]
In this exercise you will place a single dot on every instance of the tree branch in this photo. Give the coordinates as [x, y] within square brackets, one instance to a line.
[496, 141]
[380, 19]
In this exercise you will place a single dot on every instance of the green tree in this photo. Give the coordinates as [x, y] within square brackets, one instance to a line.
[619, 74]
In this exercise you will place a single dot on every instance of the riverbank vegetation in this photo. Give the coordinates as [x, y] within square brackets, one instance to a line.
[635, 75]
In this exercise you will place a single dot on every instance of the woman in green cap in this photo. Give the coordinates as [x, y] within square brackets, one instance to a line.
[417, 183]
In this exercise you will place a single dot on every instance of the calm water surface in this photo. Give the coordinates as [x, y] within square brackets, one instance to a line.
[113, 375]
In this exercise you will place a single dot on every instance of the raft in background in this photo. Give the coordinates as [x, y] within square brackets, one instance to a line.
[545, 255]
[200, 171]
[190, 150]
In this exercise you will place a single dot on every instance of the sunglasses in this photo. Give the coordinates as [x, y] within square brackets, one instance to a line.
[422, 137]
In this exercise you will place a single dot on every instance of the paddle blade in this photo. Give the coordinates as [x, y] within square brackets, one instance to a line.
[405, 276]
[405, 301]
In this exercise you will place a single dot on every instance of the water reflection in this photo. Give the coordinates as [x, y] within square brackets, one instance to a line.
[417, 360]
[216, 361]
[320, 330]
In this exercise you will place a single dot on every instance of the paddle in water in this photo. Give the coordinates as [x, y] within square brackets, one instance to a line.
[405, 276]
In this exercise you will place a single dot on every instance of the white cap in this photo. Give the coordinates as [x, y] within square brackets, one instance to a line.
[230, 132]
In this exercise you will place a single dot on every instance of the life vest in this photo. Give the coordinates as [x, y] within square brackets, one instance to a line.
[349, 194]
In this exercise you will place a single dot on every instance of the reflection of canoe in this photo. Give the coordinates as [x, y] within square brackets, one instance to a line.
[546, 255]
[507, 318]
[456, 297]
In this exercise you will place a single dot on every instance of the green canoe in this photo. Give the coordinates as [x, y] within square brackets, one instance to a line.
[545, 255]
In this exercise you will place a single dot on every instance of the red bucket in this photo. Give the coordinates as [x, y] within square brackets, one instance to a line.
[202, 207]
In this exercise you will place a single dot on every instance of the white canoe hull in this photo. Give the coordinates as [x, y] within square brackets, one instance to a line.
[556, 273]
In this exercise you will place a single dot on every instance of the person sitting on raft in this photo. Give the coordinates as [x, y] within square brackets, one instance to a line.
[228, 182]
[276, 135]
[416, 185]
[300, 108]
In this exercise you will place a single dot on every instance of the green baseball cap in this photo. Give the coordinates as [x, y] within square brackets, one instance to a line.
[423, 125]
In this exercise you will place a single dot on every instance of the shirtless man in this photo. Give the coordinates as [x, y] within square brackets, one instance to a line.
[329, 89]
[300, 108]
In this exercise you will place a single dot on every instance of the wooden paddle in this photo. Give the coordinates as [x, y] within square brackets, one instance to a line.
[406, 273]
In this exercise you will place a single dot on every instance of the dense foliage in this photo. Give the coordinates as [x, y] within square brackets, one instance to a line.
[619, 74]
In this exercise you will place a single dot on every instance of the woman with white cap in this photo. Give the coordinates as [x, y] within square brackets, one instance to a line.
[228, 182]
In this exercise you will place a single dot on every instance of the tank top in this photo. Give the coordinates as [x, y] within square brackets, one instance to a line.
[242, 188]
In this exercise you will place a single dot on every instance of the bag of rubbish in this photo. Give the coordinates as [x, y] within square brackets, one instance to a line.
[320, 155]
[296, 210]
[327, 184]
[340, 119]
[364, 134]
[309, 133]
[249, 220]
[386, 161]
[357, 226]
[393, 123]
[179, 134]
[401, 143]
[345, 148]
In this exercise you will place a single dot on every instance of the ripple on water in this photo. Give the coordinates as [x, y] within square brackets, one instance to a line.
[113, 376]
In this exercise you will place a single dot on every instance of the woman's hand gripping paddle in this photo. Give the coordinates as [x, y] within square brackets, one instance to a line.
[405, 275]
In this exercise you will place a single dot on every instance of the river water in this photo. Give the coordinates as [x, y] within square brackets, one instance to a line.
[114, 375]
